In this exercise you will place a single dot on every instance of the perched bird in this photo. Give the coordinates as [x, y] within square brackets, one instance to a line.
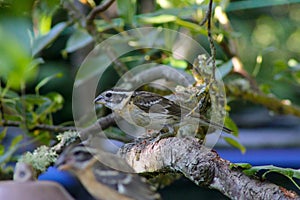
[24, 172]
[104, 181]
[150, 110]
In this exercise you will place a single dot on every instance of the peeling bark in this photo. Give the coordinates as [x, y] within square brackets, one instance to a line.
[201, 165]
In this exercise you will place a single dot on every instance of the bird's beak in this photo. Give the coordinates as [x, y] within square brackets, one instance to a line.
[99, 100]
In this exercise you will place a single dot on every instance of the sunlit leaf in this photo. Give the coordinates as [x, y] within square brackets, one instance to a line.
[181, 64]
[42, 13]
[158, 19]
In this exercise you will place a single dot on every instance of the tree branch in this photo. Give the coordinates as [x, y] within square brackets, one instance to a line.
[98, 9]
[201, 165]
[207, 19]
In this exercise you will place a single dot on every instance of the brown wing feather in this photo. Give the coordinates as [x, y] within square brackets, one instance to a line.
[145, 100]
[129, 184]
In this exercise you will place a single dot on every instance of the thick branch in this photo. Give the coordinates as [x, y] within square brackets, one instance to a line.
[202, 166]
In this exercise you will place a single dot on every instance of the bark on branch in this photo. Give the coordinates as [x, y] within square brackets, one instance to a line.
[201, 165]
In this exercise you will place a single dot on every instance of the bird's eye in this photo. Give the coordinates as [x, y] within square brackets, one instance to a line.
[77, 153]
[109, 94]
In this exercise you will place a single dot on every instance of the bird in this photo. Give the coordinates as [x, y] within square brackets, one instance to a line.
[151, 110]
[104, 181]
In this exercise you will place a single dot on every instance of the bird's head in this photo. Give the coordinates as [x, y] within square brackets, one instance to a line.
[114, 99]
[75, 157]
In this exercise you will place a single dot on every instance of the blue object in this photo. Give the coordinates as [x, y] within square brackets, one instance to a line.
[68, 181]
[288, 157]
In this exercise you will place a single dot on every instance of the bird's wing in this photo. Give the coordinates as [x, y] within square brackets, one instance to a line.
[155, 103]
[128, 184]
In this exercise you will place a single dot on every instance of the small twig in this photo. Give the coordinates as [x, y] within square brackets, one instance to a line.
[211, 42]
[98, 9]
[207, 15]
[212, 47]
[44, 127]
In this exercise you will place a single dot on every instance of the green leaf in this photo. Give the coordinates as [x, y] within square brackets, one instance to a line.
[161, 19]
[45, 40]
[9, 94]
[265, 88]
[57, 101]
[229, 123]
[46, 80]
[16, 118]
[127, 10]
[31, 99]
[103, 26]
[235, 144]
[279, 66]
[42, 12]
[267, 170]
[177, 63]
[240, 165]
[2, 149]
[192, 26]
[15, 141]
[78, 40]
[3, 133]
[44, 108]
